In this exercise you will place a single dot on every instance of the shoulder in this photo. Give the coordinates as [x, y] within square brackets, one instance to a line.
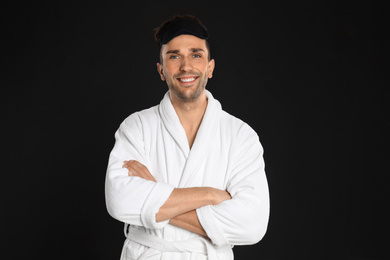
[140, 119]
[240, 137]
[236, 126]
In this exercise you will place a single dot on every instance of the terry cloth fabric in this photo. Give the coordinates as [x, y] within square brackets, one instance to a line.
[155, 245]
[226, 154]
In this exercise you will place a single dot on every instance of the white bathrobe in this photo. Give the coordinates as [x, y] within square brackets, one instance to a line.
[226, 154]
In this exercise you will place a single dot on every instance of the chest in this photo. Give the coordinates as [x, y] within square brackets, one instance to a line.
[205, 164]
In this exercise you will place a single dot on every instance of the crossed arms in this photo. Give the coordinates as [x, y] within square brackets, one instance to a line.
[238, 217]
[180, 208]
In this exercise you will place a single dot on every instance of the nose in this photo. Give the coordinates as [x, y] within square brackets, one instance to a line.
[185, 64]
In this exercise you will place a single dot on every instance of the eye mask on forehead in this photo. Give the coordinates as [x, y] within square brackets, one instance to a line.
[182, 26]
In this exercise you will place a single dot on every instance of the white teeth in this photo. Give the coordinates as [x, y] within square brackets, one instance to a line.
[187, 80]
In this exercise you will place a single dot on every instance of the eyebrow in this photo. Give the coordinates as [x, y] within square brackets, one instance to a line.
[196, 49]
[192, 50]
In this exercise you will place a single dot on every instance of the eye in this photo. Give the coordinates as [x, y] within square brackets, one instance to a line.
[196, 56]
[174, 57]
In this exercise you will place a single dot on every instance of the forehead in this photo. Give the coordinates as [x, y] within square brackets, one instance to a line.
[184, 42]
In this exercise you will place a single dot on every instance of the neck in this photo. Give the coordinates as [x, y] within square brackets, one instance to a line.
[190, 115]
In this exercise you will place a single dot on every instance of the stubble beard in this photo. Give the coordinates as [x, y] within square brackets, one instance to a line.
[187, 97]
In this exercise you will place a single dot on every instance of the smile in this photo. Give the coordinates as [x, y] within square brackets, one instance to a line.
[187, 80]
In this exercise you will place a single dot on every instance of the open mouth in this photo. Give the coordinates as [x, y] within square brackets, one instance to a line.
[187, 80]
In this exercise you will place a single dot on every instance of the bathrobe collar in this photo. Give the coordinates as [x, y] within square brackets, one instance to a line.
[204, 139]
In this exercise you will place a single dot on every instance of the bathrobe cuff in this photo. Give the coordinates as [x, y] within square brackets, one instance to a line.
[213, 231]
[156, 198]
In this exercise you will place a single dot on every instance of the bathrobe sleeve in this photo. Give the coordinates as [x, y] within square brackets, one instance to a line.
[130, 199]
[243, 219]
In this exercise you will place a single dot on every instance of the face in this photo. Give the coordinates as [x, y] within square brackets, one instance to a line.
[185, 67]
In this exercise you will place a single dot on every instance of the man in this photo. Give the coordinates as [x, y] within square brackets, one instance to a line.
[185, 177]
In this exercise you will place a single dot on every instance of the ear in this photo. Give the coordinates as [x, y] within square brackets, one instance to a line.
[160, 71]
[211, 68]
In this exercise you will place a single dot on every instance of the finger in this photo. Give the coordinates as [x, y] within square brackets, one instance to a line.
[134, 169]
[138, 169]
[125, 164]
[142, 171]
[147, 175]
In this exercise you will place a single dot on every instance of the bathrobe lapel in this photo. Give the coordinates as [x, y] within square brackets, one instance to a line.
[172, 124]
[204, 140]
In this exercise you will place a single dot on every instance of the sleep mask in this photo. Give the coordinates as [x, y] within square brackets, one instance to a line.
[182, 26]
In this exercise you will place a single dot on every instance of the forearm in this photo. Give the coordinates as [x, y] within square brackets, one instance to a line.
[188, 221]
[183, 200]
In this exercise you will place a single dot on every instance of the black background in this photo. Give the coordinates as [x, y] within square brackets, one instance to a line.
[311, 77]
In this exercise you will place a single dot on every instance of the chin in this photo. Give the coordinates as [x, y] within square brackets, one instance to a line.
[190, 96]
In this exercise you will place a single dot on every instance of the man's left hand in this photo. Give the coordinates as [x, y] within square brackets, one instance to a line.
[138, 169]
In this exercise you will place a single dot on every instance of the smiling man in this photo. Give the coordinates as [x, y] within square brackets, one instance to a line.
[185, 177]
[186, 68]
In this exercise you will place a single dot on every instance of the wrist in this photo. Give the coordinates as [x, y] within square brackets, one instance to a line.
[211, 196]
